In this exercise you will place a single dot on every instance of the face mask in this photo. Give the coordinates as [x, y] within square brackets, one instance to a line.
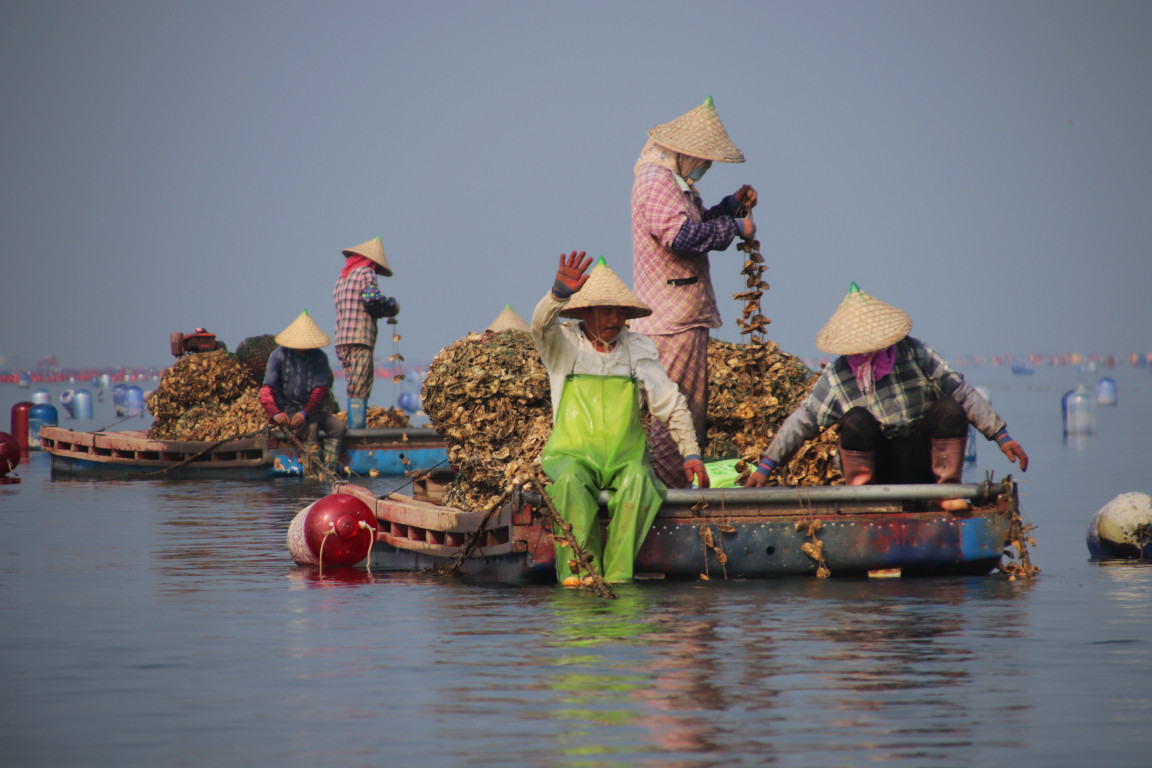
[698, 174]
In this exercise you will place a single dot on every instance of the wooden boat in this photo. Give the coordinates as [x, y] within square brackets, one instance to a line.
[754, 532]
[130, 454]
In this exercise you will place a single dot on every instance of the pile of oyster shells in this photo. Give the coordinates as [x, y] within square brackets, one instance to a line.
[488, 396]
[206, 396]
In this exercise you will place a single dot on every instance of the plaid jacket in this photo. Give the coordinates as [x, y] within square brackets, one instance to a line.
[353, 323]
[899, 401]
[672, 234]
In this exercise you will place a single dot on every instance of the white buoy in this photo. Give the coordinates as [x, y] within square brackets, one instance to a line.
[1122, 528]
[1106, 391]
[1079, 411]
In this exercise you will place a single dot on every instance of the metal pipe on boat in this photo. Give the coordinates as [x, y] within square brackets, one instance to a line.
[842, 493]
[863, 494]
[394, 433]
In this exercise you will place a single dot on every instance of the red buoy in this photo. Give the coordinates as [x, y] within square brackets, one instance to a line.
[20, 423]
[337, 530]
[9, 453]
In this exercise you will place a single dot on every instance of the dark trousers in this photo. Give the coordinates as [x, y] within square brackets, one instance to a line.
[906, 459]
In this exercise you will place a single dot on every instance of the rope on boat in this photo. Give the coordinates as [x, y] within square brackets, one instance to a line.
[331, 530]
[705, 532]
[582, 560]
[322, 472]
[198, 454]
[815, 548]
[118, 421]
[454, 568]
[1019, 538]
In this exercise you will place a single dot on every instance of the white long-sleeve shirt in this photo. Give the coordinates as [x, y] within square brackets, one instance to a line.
[565, 349]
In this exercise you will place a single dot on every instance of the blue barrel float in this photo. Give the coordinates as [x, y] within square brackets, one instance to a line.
[1079, 411]
[1106, 391]
[82, 404]
[40, 415]
[134, 401]
[67, 402]
[118, 404]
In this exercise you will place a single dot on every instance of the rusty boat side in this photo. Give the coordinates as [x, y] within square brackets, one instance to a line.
[719, 533]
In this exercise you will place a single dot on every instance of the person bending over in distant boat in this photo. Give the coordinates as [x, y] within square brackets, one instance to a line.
[599, 371]
[903, 412]
[296, 384]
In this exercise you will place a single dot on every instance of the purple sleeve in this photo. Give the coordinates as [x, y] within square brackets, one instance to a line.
[714, 235]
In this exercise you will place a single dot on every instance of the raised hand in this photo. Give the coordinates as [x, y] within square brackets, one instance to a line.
[570, 277]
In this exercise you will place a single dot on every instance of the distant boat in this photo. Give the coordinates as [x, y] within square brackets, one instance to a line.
[131, 453]
[1023, 368]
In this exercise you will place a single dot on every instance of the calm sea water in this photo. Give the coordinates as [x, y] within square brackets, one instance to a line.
[164, 623]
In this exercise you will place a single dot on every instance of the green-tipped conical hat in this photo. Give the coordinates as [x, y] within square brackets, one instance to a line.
[861, 324]
[605, 289]
[508, 319]
[698, 133]
[303, 333]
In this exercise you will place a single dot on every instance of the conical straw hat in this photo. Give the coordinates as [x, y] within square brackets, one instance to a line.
[605, 289]
[303, 334]
[861, 324]
[698, 133]
[508, 320]
[373, 249]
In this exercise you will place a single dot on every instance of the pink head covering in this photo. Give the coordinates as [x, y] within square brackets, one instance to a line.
[870, 367]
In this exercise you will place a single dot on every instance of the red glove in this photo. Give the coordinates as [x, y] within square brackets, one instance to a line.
[1013, 451]
[694, 470]
[759, 478]
[570, 277]
[745, 228]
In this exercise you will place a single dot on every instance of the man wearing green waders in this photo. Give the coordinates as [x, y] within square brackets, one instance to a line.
[599, 372]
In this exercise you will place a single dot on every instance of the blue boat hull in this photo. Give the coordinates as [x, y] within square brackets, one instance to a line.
[735, 533]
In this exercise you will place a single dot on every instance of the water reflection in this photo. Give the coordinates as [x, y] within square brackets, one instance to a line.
[660, 687]
[208, 532]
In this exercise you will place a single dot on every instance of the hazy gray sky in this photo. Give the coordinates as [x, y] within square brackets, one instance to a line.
[983, 165]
